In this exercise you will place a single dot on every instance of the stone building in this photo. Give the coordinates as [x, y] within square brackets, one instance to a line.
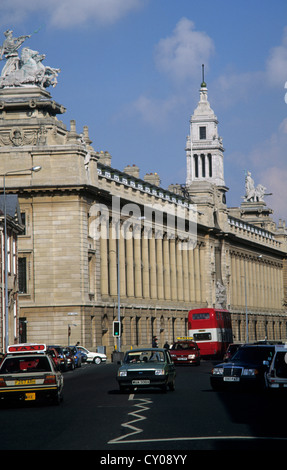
[9, 307]
[101, 243]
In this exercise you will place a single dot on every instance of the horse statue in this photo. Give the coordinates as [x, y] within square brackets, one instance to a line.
[253, 194]
[27, 69]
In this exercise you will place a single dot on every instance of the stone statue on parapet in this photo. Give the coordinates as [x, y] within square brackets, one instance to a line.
[220, 295]
[252, 193]
[26, 69]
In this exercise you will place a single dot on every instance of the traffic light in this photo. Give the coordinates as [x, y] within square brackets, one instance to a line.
[117, 329]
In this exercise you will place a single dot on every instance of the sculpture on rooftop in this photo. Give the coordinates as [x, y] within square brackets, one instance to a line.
[253, 194]
[26, 69]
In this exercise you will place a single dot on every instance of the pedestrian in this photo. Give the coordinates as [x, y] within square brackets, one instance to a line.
[166, 345]
[154, 342]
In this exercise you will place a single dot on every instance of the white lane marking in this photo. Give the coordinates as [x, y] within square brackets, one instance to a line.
[141, 407]
[198, 438]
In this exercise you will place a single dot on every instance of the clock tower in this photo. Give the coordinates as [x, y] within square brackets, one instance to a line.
[204, 158]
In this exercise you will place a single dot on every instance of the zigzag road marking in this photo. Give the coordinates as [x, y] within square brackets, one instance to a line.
[141, 407]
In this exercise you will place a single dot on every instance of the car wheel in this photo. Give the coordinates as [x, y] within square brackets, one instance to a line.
[97, 360]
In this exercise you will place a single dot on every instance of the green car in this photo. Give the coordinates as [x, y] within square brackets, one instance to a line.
[148, 367]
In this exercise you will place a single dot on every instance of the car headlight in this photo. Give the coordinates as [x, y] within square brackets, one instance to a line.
[250, 372]
[122, 373]
[217, 371]
[159, 372]
[191, 356]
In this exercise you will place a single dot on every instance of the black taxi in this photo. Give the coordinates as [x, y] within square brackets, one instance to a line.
[27, 373]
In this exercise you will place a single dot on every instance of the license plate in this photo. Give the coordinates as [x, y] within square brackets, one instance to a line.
[140, 382]
[231, 379]
[182, 358]
[30, 396]
[25, 382]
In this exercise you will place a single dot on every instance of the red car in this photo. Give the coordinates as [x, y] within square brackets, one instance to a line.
[185, 351]
[55, 356]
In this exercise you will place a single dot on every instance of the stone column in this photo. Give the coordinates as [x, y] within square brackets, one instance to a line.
[146, 267]
[104, 261]
[152, 262]
[197, 274]
[113, 260]
[202, 271]
[186, 293]
[130, 264]
[159, 262]
[137, 260]
[191, 271]
[166, 261]
[233, 280]
[173, 279]
[179, 270]
[122, 266]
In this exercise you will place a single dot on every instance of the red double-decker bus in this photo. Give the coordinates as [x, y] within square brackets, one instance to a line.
[211, 329]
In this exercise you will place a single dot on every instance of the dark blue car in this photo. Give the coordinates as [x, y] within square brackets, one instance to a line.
[78, 355]
[248, 367]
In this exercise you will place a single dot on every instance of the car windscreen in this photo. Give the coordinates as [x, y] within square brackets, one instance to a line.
[26, 364]
[144, 356]
[255, 354]
[183, 346]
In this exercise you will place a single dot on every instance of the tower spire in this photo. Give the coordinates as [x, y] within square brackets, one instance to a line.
[203, 84]
[204, 149]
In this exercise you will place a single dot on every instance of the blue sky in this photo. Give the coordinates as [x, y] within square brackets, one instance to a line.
[131, 72]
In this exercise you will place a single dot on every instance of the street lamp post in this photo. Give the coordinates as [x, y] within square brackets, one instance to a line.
[18, 172]
[246, 307]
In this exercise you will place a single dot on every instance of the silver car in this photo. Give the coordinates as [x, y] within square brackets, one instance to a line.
[277, 374]
[149, 367]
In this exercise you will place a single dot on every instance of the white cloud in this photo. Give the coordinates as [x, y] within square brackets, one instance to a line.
[275, 179]
[235, 87]
[156, 112]
[276, 64]
[69, 13]
[180, 54]
[232, 88]
[268, 160]
[75, 12]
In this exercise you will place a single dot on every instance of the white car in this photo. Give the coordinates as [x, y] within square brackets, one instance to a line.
[94, 357]
[27, 373]
[277, 374]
